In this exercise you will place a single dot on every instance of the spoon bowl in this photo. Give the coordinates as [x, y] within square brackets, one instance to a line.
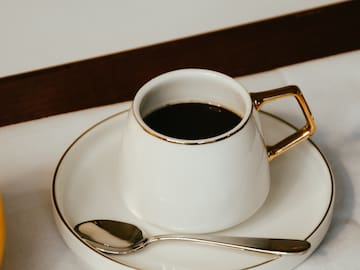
[120, 238]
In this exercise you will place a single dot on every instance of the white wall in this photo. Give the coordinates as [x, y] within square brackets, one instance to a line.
[35, 34]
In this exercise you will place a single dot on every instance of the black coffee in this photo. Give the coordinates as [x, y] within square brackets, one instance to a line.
[192, 121]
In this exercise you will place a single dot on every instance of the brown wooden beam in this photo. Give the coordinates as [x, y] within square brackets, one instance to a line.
[235, 51]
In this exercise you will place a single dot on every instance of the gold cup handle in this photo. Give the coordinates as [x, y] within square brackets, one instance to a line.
[302, 134]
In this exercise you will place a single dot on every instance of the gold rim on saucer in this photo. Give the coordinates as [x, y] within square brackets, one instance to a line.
[66, 224]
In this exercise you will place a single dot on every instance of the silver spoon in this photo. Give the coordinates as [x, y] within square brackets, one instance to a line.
[115, 237]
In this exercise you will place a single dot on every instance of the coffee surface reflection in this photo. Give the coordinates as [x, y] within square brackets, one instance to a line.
[192, 121]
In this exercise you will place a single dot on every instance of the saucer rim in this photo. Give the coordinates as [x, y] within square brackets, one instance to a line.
[60, 217]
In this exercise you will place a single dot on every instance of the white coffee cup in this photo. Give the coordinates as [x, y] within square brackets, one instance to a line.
[204, 185]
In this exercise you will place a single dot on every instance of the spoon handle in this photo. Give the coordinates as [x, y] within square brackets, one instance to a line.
[264, 245]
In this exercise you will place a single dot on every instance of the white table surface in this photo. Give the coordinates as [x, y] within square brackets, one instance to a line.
[30, 151]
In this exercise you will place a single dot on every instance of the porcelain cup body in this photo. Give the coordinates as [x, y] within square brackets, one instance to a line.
[195, 186]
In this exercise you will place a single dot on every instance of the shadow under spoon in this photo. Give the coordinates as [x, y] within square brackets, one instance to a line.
[116, 237]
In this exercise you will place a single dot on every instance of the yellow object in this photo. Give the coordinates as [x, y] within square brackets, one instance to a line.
[2, 231]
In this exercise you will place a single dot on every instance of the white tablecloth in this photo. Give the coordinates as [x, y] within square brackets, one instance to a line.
[30, 151]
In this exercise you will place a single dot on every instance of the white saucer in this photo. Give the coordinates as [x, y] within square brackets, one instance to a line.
[299, 205]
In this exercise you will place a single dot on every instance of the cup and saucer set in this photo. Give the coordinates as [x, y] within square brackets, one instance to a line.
[193, 161]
